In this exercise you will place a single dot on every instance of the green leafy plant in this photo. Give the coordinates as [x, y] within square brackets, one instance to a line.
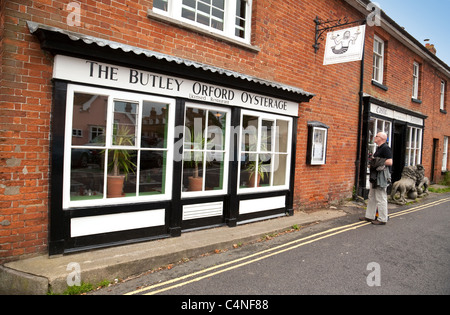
[122, 159]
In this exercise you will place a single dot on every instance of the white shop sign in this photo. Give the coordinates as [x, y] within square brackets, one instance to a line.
[386, 112]
[98, 73]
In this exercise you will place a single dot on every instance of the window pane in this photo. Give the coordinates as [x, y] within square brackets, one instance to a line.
[190, 3]
[264, 170]
[216, 130]
[152, 175]
[248, 165]
[195, 124]
[121, 179]
[160, 4]
[125, 123]
[282, 136]
[204, 8]
[219, 4]
[240, 8]
[214, 171]
[249, 133]
[279, 171]
[87, 174]
[266, 135]
[89, 116]
[193, 171]
[154, 125]
[188, 14]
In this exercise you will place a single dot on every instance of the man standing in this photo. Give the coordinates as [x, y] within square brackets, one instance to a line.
[379, 180]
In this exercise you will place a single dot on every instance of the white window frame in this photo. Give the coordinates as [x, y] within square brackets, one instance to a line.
[379, 125]
[378, 60]
[174, 10]
[224, 190]
[416, 75]
[442, 96]
[115, 95]
[413, 154]
[445, 154]
[271, 117]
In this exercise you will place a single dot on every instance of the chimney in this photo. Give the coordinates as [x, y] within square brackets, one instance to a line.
[431, 48]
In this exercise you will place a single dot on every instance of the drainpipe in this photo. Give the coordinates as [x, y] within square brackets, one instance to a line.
[360, 118]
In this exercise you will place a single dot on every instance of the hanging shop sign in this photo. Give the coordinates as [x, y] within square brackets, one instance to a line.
[345, 45]
[98, 73]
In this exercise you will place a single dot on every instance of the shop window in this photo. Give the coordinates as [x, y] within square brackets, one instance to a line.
[205, 162]
[413, 146]
[264, 152]
[226, 17]
[124, 154]
[377, 125]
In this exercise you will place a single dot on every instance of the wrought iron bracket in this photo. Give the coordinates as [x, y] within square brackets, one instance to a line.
[329, 25]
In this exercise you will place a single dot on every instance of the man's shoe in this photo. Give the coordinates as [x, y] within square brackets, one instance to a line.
[376, 222]
[365, 219]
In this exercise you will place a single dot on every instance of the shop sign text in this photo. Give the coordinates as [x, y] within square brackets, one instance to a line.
[97, 73]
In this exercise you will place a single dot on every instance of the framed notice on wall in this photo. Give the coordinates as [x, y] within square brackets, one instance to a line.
[317, 143]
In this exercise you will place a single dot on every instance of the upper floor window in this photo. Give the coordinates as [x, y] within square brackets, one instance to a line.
[415, 89]
[378, 60]
[230, 18]
[442, 96]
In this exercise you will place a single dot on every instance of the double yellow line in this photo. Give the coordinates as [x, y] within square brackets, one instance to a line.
[237, 263]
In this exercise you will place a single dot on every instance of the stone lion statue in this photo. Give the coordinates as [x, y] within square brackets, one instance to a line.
[422, 182]
[413, 184]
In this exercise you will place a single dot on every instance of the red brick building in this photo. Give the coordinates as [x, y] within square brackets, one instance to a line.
[204, 91]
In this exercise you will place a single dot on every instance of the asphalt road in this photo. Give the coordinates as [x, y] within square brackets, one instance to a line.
[409, 255]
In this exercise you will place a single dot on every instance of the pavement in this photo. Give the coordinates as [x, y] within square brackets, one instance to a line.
[42, 274]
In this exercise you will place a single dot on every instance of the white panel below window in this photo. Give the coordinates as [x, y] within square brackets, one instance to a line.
[116, 222]
[203, 210]
[262, 204]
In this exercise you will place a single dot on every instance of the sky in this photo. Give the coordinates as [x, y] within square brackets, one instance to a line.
[423, 19]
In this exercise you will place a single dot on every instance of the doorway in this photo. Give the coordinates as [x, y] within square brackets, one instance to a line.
[433, 159]
[398, 150]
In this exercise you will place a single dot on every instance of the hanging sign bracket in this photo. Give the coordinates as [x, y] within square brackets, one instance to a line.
[323, 26]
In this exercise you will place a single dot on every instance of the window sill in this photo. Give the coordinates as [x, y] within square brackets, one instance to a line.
[168, 20]
[381, 86]
[415, 100]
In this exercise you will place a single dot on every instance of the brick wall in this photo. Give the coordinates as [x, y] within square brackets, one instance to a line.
[284, 32]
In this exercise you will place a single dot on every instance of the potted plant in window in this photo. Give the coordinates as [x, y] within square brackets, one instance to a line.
[257, 169]
[121, 162]
[196, 182]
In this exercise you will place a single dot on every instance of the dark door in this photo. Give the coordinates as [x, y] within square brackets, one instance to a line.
[433, 159]
[398, 150]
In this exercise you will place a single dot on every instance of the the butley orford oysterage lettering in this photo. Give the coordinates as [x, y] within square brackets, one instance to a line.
[98, 73]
